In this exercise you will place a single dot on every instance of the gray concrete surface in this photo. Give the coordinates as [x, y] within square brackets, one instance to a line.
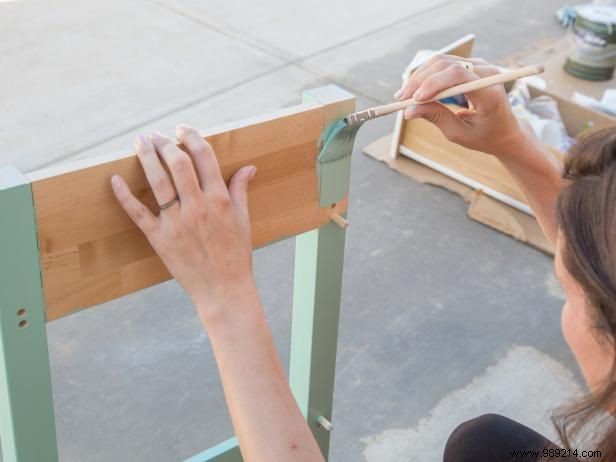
[442, 318]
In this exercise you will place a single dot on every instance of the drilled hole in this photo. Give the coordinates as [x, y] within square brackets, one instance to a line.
[23, 323]
[333, 205]
[21, 312]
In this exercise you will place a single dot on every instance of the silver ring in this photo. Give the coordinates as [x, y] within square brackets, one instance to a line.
[466, 65]
[166, 205]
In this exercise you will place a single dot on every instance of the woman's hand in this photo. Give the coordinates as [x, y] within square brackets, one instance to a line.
[488, 125]
[203, 238]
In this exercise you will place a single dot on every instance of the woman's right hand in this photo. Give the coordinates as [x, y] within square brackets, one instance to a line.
[488, 125]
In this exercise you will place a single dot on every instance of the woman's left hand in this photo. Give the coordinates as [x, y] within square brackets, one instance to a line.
[204, 240]
[204, 237]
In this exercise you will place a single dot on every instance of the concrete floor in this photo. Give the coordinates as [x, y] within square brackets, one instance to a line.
[442, 319]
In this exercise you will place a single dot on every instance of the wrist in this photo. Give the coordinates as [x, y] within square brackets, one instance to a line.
[517, 140]
[222, 305]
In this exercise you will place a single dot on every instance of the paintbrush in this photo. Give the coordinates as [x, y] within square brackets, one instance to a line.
[378, 111]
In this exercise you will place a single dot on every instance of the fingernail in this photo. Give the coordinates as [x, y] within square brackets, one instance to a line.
[398, 94]
[115, 181]
[252, 173]
[140, 141]
[409, 112]
[155, 136]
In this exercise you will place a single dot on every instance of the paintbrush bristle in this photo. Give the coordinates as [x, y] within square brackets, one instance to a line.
[337, 140]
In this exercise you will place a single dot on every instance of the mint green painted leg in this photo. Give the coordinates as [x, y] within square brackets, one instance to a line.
[319, 256]
[314, 332]
[27, 428]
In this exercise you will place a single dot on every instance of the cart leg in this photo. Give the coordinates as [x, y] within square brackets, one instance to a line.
[314, 333]
[27, 428]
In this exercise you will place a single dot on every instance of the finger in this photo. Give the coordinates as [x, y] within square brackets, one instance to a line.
[489, 96]
[412, 82]
[426, 71]
[450, 76]
[481, 100]
[435, 64]
[157, 176]
[238, 191]
[435, 82]
[417, 77]
[139, 213]
[446, 120]
[450, 59]
[180, 166]
[203, 157]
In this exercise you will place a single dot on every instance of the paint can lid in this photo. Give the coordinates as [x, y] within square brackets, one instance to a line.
[601, 14]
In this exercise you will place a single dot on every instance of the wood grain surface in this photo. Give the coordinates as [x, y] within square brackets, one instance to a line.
[425, 138]
[91, 251]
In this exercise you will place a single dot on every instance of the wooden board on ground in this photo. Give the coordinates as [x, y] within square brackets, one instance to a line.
[425, 138]
[91, 251]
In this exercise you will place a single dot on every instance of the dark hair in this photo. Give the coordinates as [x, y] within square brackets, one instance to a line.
[586, 212]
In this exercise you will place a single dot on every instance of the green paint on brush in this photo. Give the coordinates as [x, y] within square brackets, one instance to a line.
[336, 141]
[334, 161]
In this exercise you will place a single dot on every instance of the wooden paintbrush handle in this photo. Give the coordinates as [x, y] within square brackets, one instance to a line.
[463, 88]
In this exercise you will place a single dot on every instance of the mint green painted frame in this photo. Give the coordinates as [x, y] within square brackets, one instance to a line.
[27, 428]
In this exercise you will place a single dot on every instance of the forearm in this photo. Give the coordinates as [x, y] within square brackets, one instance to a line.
[267, 421]
[538, 174]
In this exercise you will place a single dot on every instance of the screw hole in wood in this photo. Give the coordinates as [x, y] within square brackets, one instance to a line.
[21, 312]
[23, 324]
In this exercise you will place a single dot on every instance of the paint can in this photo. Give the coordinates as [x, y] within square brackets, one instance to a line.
[593, 36]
